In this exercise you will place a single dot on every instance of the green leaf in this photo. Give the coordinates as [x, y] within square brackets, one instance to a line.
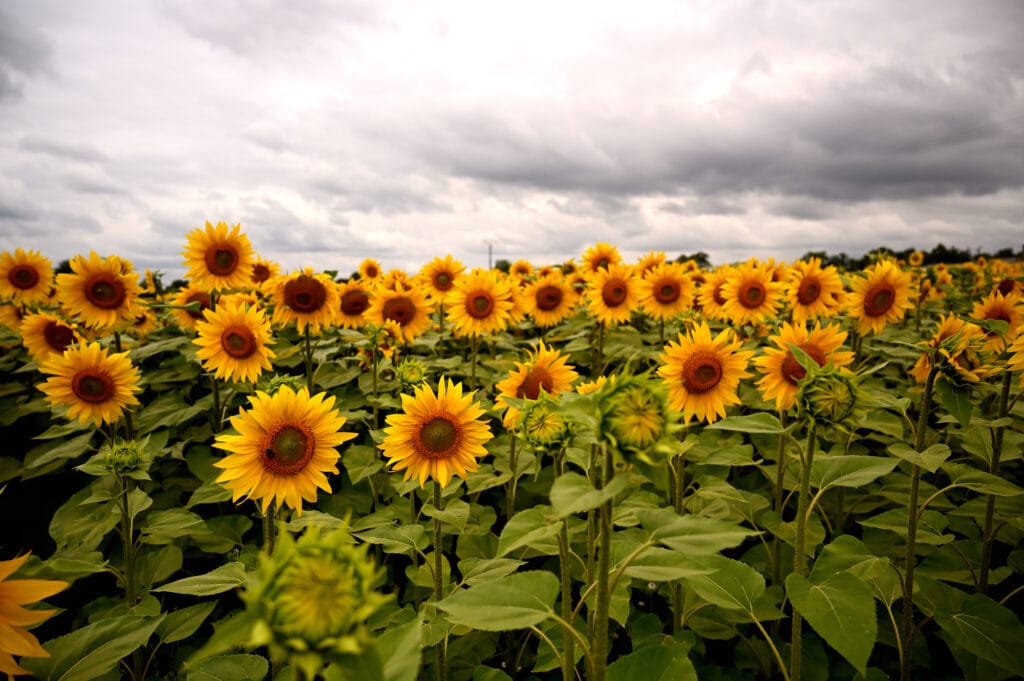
[92, 650]
[956, 401]
[58, 449]
[455, 513]
[481, 570]
[572, 493]
[180, 624]
[962, 475]
[930, 459]
[929, 529]
[224, 578]
[761, 422]
[532, 528]
[361, 461]
[401, 649]
[694, 535]
[654, 663]
[482, 673]
[733, 585]
[841, 610]
[162, 527]
[848, 554]
[517, 601]
[149, 349]
[230, 668]
[664, 565]
[848, 471]
[166, 411]
[987, 629]
[397, 538]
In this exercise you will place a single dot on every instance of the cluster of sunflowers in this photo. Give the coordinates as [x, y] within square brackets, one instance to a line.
[262, 336]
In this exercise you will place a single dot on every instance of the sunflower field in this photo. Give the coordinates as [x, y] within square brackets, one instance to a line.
[593, 469]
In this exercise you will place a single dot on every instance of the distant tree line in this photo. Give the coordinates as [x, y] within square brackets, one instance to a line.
[951, 255]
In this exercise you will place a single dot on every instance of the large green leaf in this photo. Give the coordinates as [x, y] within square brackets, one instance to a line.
[930, 459]
[93, 650]
[848, 554]
[572, 493]
[733, 585]
[180, 624]
[397, 538]
[516, 601]
[230, 668]
[224, 578]
[656, 564]
[841, 610]
[534, 528]
[692, 534]
[401, 649]
[971, 478]
[987, 629]
[848, 471]
[761, 422]
[455, 513]
[654, 663]
[956, 401]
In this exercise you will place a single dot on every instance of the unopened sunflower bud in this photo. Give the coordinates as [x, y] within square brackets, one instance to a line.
[636, 412]
[411, 372]
[541, 424]
[828, 395]
[122, 457]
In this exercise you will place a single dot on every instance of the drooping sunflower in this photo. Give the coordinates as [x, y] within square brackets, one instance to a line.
[960, 358]
[282, 448]
[600, 256]
[354, 301]
[437, 435]
[262, 272]
[480, 304]
[709, 292]
[369, 270]
[781, 373]
[702, 373]
[648, 261]
[218, 258]
[233, 342]
[549, 299]
[612, 294]
[880, 298]
[190, 295]
[439, 277]
[15, 593]
[44, 335]
[101, 292]
[406, 306]
[93, 384]
[545, 371]
[813, 291]
[751, 295]
[996, 306]
[308, 299]
[26, 277]
[666, 291]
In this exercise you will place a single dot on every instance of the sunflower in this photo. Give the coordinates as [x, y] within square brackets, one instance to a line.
[217, 258]
[310, 300]
[881, 297]
[395, 278]
[439, 276]
[436, 436]
[702, 373]
[648, 261]
[782, 373]
[26, 277]
[544, 371]
[233, 342]
[587, 387]
[521, 269]
[480, 304]
[145, 322]
[915, 259]
[354, 300]
[709, 293]
[813, 291]
[751, 296]
[406, 306]
[998, 307]
[187, 319]
[635, 412]
[600, 256]
[282, 447]
[1016, 360]
[262, 272]
[101, 292]
[44, 335]
[612, 294]
[95, 385]
[665, 291]
[369, 270]
[11, 316]
[549, 299]
[15, 593]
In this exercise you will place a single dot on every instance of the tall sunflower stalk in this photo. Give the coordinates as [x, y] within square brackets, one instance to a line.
[799, 557]
[987, 535]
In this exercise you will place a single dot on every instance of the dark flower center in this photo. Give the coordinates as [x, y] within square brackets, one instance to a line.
[400, 310]
[58, 336]
[23, 277]
[809, 291]
[260, 273]
[717, 295]
[238, 341]
[791, 369]
[92, 385]
[305, 294]
[201, 297]
[613, 293]
[538, 379]
[354, 303]
[879, 299]
[548, 298]
[479, 305]
[701, 372]
[221, 259]
[751, 294]
[443, 281]
[437, 438]
[666, 292]
[1006, 286]
[288, 448]
[105, 291]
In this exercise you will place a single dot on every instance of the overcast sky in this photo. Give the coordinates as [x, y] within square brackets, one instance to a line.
[400, 130]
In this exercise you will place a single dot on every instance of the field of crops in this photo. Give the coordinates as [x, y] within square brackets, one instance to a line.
[593, 469]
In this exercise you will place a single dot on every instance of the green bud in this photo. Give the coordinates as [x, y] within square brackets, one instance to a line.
[828, 395]
[122, 457]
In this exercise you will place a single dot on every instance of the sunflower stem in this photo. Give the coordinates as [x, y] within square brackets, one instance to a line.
[128, 549]
[472, 365]
[374, 355]
[603, 596]
[215, 390]
[907, 623]
[565, 577]
[269, 530]
[439, 652]
[308, 357]
[677, 482]
[799, 558]
[780, 496]
[513, 462]
[987, 536]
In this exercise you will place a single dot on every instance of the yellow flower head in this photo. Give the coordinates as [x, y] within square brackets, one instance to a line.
[310, 300]
[549, 299]
[480, 304]
[666, 291]
[751, 295]
[407, 307]
[233, 342]
[45, 335]
[781, 371]
[94, 385]
[26, 277]
[439, 276]
[813, 291]
[218, 258]
[881, 297]
[14, 594]
[354, 301]
[102, 293]
[545, 371]
[612, 294]
[600, 256]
